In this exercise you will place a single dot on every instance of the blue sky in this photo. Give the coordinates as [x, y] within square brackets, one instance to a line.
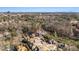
[39, 9]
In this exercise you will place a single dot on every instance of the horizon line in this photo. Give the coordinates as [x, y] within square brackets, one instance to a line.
[39, 9]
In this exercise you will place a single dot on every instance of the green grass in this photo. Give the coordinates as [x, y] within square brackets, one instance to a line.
[64, 40]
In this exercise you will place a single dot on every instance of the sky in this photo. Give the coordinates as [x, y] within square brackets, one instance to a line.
[39, 9]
